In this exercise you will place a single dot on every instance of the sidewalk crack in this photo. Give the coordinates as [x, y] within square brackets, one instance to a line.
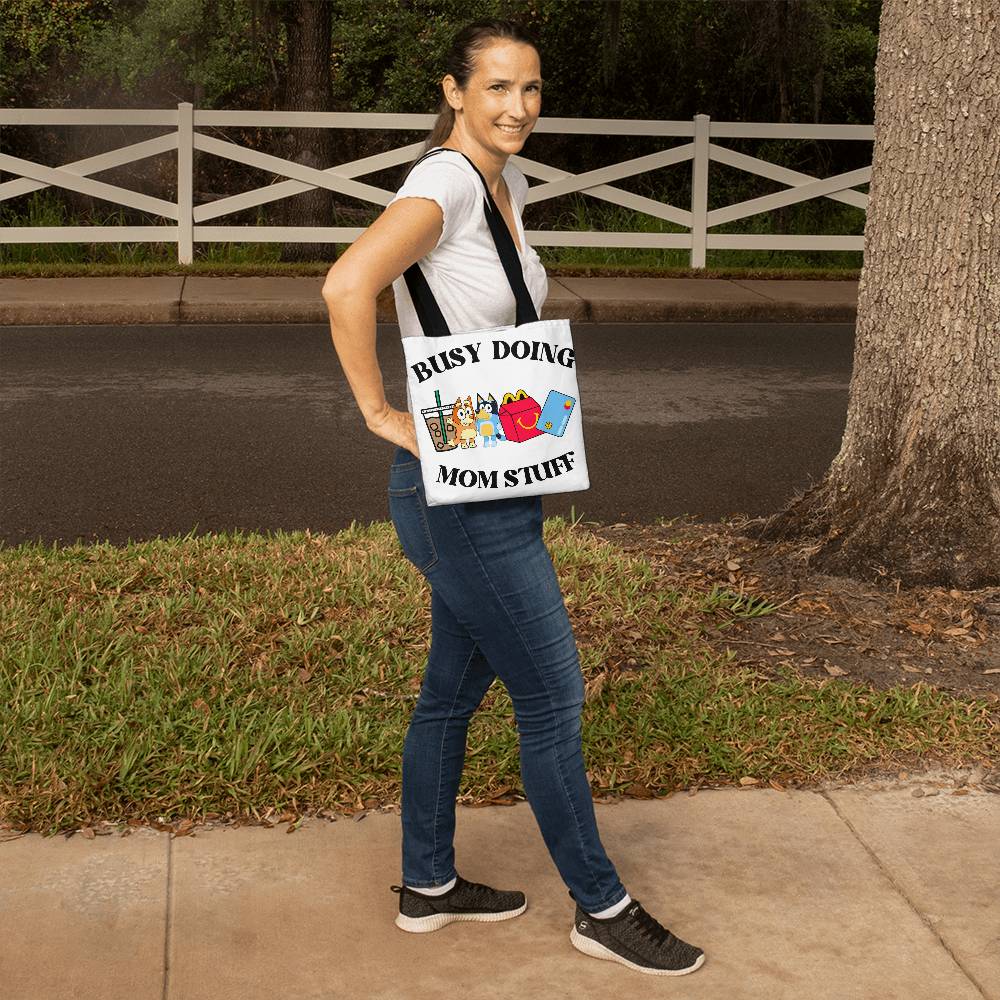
[180, 299]
[752, 291]
[899, 889]
[169, 917]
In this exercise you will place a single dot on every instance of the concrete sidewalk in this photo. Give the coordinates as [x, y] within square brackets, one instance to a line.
[884, 891]
[192, 299]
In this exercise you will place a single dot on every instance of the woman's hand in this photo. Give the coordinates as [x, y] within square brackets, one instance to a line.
[395, 426]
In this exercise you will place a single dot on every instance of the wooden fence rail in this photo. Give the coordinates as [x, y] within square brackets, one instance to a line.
[189, 222]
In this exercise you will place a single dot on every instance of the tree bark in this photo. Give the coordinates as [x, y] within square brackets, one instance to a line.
[308, 88]
[915, 488]
[611, 42]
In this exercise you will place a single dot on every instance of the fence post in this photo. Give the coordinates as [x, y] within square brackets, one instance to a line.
[699, 191]
[185, 182]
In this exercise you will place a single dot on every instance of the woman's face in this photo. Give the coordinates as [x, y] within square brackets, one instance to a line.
[505, 89]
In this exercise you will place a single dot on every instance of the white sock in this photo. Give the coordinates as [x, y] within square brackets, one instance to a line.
[437, 890]
[613, 911]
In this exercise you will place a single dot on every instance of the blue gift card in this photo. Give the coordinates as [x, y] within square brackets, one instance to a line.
[555, 413]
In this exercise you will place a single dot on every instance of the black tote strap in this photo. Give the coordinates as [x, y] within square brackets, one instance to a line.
[425, 305]
[508, 255]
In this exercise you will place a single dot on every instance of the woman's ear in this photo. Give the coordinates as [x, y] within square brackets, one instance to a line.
[451, 92]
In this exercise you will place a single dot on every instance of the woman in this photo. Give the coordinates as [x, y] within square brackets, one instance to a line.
[496, 607]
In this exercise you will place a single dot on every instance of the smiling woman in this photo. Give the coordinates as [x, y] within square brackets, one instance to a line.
[496, 605]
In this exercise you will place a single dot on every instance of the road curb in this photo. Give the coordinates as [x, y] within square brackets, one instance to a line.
[129, 314]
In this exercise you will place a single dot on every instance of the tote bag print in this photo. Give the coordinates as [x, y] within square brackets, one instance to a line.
[497, 413]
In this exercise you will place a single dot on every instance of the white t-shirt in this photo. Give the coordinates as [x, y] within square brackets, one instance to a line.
[464, 270]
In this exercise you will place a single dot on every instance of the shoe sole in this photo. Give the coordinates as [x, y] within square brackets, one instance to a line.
[597, 950]
[435, 921]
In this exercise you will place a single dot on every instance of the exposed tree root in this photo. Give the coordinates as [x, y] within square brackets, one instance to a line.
[875, 537]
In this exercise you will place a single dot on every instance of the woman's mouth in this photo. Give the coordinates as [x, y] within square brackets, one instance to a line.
[510, 129]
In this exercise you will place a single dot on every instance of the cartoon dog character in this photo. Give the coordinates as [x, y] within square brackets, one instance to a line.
[488, 420]
[464, 418]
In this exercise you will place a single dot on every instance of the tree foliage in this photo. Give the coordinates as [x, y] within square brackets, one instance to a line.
[740, 60]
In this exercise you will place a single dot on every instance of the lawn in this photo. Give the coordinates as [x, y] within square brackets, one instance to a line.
[241, 674]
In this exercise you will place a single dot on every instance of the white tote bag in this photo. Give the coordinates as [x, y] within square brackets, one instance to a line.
[497, 411]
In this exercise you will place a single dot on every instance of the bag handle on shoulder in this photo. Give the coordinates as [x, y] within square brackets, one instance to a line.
[425, 305]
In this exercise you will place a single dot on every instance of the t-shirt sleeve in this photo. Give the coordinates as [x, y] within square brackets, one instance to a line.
[453, 188]
[518, 188]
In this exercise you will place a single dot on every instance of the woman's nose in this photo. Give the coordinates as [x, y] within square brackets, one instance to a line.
[516, 108]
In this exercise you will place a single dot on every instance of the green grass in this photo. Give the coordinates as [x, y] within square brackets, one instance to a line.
[44, 208]
[59, 269]
[233, 673]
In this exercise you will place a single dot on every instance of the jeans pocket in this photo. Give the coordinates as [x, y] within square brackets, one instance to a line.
[406, 508]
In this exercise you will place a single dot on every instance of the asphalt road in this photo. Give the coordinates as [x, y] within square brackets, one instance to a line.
[117, 433]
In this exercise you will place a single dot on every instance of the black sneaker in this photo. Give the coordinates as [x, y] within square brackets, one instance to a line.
[463, 901]
[635, 939]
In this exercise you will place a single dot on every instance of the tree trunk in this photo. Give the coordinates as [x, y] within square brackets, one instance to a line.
[611, 41]
[308, 88]
[915, 489]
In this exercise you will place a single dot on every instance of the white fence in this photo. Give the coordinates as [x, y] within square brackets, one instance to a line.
[190, 221]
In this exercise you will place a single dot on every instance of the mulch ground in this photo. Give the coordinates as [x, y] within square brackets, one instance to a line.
[873, 632]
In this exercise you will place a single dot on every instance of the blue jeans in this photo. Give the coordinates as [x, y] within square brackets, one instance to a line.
[496, 611]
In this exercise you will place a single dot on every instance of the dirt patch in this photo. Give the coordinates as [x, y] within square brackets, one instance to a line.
[874, 632]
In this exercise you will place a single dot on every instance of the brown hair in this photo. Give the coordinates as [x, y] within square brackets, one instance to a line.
[460, 62]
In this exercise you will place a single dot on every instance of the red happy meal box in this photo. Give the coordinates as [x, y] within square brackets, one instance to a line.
[519, 416]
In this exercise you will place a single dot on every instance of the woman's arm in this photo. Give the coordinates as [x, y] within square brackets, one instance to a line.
[406, 231]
